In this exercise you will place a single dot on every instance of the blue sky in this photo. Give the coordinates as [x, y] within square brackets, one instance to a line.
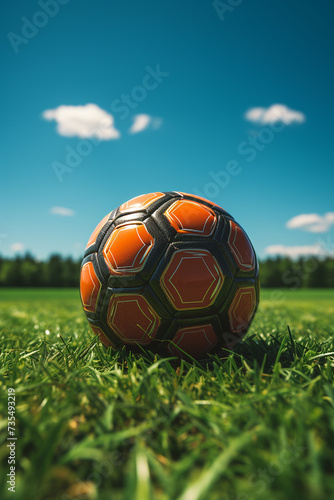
[183, 95]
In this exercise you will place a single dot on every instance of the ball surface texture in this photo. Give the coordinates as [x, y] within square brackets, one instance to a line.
[171, 272]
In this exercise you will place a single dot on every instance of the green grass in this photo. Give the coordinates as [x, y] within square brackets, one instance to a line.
[92, 424]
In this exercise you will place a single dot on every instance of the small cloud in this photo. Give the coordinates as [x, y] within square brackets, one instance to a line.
[83, 121]
[65, 212]
[274, 114]
[297, 251]
[141, 122]
[17, 247]
[312, 223]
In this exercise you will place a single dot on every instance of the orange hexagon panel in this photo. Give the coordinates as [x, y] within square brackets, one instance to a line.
[140, 202]
[194, 340]
[191, 217]
[104, 339]
[241, 248]
[132, 318]
[90, 287]
[192, 279]
[241, 309]
[127, 248]
[96, 231]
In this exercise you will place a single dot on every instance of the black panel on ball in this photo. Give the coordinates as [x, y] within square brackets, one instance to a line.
[163, 222]
[95, 246]
[147, 211]
[128, 218]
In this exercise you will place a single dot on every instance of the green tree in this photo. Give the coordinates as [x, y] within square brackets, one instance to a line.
[318, 278]
[55, 271]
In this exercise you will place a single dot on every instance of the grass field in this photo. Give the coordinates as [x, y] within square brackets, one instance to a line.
[92, 424]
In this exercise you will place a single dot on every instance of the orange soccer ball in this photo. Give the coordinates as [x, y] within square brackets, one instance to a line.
[172, 272]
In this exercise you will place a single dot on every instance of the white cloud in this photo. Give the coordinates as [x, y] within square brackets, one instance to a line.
[273, 114]
[83, 121]
[141, 122]
[17, 247]
[312, 223]
[297, 251]
[65, 212]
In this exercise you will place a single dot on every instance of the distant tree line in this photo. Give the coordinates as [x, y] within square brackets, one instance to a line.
[309, 272]
[58, 271]
[29, 272]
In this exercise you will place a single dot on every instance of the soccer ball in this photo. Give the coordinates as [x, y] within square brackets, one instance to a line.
[172, 272]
